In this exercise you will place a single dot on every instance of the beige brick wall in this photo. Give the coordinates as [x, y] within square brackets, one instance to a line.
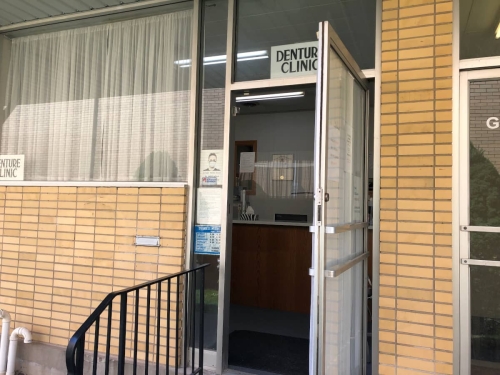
[63, 249]
[415, 209]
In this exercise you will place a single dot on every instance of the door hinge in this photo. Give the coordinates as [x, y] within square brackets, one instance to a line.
[327, 197]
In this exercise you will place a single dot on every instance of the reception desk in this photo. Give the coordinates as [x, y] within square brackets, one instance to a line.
[270, 265]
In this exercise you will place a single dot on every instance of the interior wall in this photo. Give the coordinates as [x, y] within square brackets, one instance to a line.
[5, 47]
[279, 133]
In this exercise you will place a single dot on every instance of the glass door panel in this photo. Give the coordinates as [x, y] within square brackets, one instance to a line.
[485, 320]
[340, 223]
[480, 223]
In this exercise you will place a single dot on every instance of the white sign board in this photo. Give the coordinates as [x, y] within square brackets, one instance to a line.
[207, 239]
[293, 60]
[211, 162]
[12, 167]
[247, 162]
[208, 211]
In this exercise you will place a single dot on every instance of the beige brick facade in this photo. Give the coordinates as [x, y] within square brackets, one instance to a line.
[415, 229]
[64, 248]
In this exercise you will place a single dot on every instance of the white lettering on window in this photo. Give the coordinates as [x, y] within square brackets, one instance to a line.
[493, 123]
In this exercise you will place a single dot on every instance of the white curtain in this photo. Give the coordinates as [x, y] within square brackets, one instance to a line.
[102, 103]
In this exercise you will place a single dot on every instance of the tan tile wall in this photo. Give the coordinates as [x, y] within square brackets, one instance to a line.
[415, 239]
[64, 248]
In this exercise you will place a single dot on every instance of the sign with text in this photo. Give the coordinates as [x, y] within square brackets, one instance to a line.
[207, 239]
[292, 60]
[12, 167]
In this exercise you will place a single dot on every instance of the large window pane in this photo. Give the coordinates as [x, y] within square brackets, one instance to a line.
[484, 133]
[479, 32]
[263, 24]
[101, 103]
[211, 133]
[485, 320]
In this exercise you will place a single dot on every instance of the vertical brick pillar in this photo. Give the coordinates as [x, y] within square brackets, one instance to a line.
[415, 210]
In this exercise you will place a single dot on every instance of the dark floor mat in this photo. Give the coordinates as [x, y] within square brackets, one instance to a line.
[272, 353]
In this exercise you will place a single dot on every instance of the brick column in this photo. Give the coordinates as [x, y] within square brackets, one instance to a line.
[415, 210]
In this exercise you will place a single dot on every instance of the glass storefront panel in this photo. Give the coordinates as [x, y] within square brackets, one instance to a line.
[211, 151]
[96, 104]
[485, 320]
[484, 162]
[87, 104]
[277, 39]
[479, 29]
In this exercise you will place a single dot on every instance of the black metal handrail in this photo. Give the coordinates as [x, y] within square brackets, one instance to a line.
[76, 348]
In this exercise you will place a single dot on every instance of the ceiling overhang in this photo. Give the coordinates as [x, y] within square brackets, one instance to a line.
[16, 15]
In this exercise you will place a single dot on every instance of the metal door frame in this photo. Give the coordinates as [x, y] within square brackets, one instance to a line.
[319, 230]
[464, 217]
[221, 355]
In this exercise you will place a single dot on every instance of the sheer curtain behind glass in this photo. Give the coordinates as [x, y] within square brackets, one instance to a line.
[343, 340]
[102, 103]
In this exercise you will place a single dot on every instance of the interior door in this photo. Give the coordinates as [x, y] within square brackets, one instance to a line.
[479, 222]
[338, 339]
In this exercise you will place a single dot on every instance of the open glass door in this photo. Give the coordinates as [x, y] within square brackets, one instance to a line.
[338, 318]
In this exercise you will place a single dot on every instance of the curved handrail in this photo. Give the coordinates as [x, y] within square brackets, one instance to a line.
[80, 332]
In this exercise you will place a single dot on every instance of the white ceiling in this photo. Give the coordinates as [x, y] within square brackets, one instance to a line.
[18, 11]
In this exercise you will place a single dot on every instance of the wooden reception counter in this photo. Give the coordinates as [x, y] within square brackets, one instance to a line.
[270, 265]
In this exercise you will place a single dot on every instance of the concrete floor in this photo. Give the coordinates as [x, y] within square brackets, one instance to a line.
[284, 323]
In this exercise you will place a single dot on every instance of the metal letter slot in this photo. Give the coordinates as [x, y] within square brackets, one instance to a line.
[147, 241]
[337, 270]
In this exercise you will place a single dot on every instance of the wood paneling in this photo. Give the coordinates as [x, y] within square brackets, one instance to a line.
[270, 267]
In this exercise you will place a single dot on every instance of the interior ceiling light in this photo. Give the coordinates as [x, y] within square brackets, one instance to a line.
[221, 59]
[283, 95]
[497, 32]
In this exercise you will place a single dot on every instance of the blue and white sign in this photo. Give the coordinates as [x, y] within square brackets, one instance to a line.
[207, 239]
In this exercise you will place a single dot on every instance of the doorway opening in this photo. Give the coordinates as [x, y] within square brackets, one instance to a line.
[272, 175]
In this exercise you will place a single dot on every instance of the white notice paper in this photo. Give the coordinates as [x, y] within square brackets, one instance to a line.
[247, 162]
[208, 211]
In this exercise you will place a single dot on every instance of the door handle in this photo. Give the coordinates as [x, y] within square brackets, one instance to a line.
[339, 269]
[331, 229]
[479, 262]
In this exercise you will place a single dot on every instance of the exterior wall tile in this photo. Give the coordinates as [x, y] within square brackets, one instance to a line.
[415, 240]
[64, 248]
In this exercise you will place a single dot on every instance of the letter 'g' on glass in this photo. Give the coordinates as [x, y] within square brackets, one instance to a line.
[493, 123]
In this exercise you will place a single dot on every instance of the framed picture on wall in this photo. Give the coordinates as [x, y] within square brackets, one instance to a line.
[283, 167]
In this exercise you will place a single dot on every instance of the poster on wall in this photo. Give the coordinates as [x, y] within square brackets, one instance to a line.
[208, 211]
[283, 167]
[207, 239]
[211, 162]
[12, 167]
[247, 162]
